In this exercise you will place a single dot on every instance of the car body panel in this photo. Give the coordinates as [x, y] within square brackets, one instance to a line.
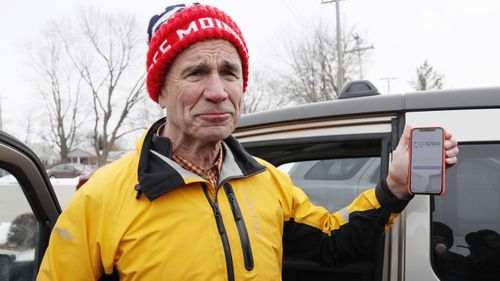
[466, 127]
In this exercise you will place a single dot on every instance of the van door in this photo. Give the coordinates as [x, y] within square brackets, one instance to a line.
[332, 164]
[28, 211]
[457, 236]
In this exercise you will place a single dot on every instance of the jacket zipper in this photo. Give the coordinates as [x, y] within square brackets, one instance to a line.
[240, 224]
[222, 233]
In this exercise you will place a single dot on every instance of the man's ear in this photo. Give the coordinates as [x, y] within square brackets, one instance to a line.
[162, 98]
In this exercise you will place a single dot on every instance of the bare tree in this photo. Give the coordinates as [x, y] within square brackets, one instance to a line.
[262, 94]
[427, 78]
[59, 90]
[313, 66]
[103, 51]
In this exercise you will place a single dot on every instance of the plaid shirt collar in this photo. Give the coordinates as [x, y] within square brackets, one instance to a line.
[211, 174]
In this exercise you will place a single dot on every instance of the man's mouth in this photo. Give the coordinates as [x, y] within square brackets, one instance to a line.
[215, 116]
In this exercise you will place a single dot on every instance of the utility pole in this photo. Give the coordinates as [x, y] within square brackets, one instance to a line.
[340, 69]
[1, 122]
[388, 79]
[359, 51]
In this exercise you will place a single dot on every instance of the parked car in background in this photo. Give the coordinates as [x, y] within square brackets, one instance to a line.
[83, 178]
[350, 176]
[68, 170]
[334, 150]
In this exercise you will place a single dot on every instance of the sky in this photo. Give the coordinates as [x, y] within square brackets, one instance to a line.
[457, 37]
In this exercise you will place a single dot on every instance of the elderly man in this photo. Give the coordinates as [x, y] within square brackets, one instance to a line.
[190, 203]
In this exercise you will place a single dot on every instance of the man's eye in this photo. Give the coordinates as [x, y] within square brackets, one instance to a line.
[197, 72]
[229, 73]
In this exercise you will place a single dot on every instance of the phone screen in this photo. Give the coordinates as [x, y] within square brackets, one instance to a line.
[427, 161]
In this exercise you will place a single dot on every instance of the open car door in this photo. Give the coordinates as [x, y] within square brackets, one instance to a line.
[28, 210]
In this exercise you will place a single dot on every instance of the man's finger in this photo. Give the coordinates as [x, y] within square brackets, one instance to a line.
[405, 138]
[451, 161]
[452, 152]
[448, 144]
[448, 135]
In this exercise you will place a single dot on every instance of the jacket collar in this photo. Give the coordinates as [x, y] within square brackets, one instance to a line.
[158, 173]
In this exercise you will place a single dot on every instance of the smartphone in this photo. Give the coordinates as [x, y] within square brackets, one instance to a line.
[426, 171]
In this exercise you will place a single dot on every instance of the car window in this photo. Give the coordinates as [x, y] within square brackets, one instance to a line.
[18, 231]
[375, 177]
[335, 169]
[334, 183]
[466, 222]
[317, 165]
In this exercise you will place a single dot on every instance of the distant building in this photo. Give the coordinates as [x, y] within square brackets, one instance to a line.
[82, 156]
[47, 155]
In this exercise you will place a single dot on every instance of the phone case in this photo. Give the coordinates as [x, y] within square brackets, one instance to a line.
[443, 178]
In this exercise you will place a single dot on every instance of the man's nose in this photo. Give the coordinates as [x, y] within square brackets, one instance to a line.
[214, 91]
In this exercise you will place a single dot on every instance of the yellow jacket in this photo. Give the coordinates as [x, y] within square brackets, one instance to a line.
[146, 218]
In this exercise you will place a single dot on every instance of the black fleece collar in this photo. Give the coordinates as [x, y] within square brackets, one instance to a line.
[158, 174]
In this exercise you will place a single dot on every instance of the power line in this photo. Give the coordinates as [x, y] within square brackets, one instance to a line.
[388, 79]
[294, 14]
[1, 122]
[358, 50]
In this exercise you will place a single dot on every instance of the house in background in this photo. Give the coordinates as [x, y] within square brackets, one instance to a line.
[82, 156]
[47, 154]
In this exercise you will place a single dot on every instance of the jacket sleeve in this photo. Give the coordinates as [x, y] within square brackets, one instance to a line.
[75, 250]
[311, 232]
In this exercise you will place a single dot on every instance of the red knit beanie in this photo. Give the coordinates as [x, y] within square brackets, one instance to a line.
[180, 26]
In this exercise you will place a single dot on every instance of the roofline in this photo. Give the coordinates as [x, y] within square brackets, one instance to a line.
[385, 104]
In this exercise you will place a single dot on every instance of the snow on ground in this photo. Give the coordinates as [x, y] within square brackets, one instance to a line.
[4, 229]
[68, 181]
[10, 179]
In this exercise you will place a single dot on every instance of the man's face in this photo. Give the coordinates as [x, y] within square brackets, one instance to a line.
[203, 92]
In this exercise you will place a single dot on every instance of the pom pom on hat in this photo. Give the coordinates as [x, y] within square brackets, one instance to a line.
[180, 26]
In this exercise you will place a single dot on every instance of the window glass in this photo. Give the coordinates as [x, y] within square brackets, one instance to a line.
[18, 231]
[335, 169]
[466, 222]
[334, 183]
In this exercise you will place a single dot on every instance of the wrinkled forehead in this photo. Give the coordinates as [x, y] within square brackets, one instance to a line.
[210, 52]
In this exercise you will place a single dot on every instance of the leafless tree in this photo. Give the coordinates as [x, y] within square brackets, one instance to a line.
[312, 64]
[60, 90]
[427, 78]
[263, 93]
[103, 51]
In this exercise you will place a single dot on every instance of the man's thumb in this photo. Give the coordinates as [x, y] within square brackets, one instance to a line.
[405, 138]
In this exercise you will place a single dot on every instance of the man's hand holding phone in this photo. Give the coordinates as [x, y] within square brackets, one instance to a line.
[399, 171]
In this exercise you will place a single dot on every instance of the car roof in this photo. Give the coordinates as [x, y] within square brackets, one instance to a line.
[382, 104]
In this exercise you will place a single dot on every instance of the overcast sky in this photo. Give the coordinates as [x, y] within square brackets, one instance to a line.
[459, 38]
